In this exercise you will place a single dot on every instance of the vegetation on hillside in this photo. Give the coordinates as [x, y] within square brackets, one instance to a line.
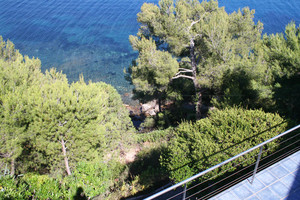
[222, 135]
[201, 39]
[221, 59]
[227, 65]
[66, 141]
[70, 134]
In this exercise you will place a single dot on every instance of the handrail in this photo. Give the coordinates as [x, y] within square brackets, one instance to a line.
[220, 164]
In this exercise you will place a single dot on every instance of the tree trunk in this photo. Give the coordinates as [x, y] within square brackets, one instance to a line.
[65, 157]
[196, 85]
[199, 103]
[159, 104]
[12, 167]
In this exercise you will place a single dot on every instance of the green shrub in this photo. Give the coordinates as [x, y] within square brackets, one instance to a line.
[42, 186]
[88, 180]
[11, 188]
[147, 166]
[93, 178]
[156, 136]
[148, 124]
[224, 134]
[31, 186]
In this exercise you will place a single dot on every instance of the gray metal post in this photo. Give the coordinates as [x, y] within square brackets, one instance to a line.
[184, 192]
[257, 162]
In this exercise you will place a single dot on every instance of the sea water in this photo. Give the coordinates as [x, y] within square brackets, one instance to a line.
[90, 37]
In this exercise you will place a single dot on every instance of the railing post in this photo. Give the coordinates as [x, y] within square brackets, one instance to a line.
[257, 162]
[184, 192]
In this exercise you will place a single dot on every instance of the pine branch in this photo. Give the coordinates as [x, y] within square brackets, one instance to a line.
[195, 22]
[185, 70]
[183, 76]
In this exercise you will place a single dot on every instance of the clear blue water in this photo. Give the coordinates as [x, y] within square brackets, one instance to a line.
[90, 37]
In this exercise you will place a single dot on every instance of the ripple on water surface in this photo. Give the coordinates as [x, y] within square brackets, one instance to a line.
[90, 37]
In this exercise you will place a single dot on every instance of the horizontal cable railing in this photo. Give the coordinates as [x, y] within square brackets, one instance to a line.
[243, 173]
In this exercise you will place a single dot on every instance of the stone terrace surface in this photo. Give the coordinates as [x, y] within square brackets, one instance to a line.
[279, 181]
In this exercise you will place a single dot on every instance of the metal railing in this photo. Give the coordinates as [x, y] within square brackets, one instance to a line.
[184, 183]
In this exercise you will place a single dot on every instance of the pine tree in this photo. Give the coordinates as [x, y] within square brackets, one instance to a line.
[77, 122]
[17, 74]
[202, 37]
[49, 125]
[282, 55]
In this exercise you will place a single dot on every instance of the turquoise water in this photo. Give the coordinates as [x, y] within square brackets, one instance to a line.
[90, 37]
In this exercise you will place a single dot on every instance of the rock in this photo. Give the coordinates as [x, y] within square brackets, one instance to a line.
[150, 105]
[151, 112]
[146, 107]
[156, 109]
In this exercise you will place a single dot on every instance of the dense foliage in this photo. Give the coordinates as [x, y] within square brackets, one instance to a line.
[17, 75]
[61, 141]
[54, 128]
[201, 39]
[274, 83]
[222, 135]
[87, 180]
[282, 54]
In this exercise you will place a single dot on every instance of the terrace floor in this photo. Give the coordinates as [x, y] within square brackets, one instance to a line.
[279, 181]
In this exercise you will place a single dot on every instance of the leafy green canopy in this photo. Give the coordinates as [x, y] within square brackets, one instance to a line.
[17, 74]
[154, 68]
[88, 180]
[90, 118]
[283, 50]
[272, 82]
[222, 135]
[47, 123]
[202, 38]
[282, 54]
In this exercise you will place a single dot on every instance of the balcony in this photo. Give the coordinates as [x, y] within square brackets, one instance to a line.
[274, 175]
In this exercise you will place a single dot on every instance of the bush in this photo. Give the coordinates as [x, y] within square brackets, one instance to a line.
[31, 186]
[224, 134]
[93, 178]
[148, 124]
[88, 180]
[147, 169]
[156, 136]
[42, 186]
[10, 188]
